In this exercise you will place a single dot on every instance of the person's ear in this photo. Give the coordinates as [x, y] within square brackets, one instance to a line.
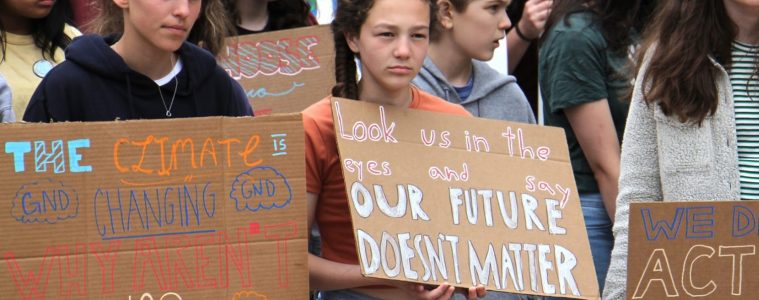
[445, 13]
[352, 42]
[121, 3]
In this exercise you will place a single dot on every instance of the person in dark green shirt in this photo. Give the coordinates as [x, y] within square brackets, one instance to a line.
[583, 75]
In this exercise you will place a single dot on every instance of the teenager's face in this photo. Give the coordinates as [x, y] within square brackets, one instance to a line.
[392, 43]
[477, 29]
[164, 24]
[30, 9]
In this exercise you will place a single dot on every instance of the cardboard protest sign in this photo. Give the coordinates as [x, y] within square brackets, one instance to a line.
[206, 208]
[438, 198]
[693, 250]
[282, 71]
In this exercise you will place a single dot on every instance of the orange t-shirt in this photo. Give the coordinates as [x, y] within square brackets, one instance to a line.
[324, 174]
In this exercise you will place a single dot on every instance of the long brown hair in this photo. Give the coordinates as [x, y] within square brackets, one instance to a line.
[350, 15]
[682, 35]
[209, 30]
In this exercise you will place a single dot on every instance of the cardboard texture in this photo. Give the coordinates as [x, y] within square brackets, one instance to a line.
[282, 71]
[207, 208]
[439, 198]
[693, 250]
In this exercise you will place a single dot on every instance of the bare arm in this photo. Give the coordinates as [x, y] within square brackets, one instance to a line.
[531, 24]
[593, 125]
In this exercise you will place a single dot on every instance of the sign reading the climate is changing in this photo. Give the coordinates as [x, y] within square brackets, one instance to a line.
[171, 209]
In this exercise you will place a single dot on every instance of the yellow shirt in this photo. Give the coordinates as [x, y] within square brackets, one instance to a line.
[24, 67]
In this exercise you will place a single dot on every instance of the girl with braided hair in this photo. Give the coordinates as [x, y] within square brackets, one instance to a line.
[390, 38]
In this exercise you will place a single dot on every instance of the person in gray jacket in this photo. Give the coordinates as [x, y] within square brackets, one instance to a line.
[454, 71]
[690, 140]
[6, 102]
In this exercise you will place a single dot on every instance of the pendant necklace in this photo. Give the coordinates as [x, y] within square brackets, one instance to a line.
[176, 86]
[171, 103]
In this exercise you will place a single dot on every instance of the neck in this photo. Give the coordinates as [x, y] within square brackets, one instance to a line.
[456, 67]
[747, 19]
[15, 24]
[399, 98]
[253, 14]
[149, 61]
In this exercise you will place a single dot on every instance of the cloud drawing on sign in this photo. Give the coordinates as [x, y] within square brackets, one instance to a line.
[45, 201]
[260, 188]
[249, 295]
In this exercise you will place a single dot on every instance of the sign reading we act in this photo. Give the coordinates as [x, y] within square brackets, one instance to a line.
[201, 208]
[693, 250]
[438, 198]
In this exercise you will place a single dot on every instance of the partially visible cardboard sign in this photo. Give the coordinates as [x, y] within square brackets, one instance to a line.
[282, 71]
[438, 198]
[693, 250]
[206, 208]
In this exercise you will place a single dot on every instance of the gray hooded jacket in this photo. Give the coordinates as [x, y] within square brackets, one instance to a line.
[494, 95]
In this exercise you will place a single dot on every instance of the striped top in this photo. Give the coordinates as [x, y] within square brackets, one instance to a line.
[745, 83]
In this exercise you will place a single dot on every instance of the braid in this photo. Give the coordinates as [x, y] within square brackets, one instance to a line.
[345, 70]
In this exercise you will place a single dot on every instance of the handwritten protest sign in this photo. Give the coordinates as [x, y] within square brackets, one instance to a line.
[693, 250]
[207, 208]
[438, 198]
[282, 71]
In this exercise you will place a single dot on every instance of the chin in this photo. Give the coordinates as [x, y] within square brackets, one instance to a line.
[485, 56]
[170, 47]
[40, 14]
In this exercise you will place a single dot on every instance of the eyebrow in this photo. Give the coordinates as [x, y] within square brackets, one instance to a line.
[506, 2]
[392, 26]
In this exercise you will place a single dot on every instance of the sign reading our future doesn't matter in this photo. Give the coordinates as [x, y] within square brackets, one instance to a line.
[439, 198]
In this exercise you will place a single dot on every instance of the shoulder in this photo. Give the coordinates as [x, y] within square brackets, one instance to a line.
[319, 111]
[317, 120]
[68, 74]
[436, 104]
[575, 29]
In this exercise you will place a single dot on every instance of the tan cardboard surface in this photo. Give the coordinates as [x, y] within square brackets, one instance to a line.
[207, 208]
[693, 250]
[282, 71]
[438, 198]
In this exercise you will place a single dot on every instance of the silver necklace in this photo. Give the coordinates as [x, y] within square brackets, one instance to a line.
[176, 86]
[171, 103]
